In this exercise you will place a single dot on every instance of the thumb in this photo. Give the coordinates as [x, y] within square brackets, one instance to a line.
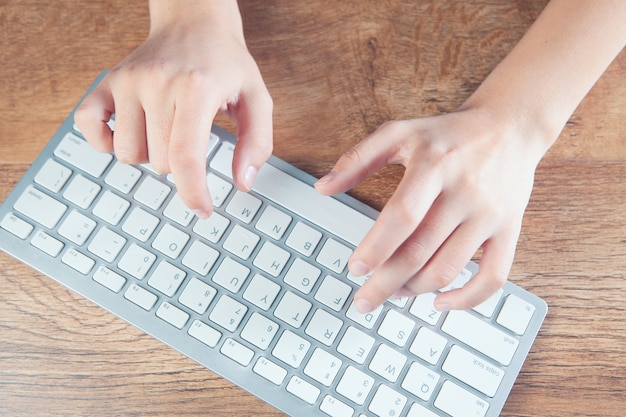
[362, 160]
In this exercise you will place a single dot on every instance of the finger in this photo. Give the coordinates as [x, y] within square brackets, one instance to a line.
[363, 159]
[129, 137]
[495, 265]
[158, 131]
[92, 116]
[449, 260]
[253, 113]
[400, 217]
[412, 254]
[191, 128]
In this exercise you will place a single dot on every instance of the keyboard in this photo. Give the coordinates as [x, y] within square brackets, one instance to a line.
[259, 292]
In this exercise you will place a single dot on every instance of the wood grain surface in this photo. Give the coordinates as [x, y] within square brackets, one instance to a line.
[336, 70]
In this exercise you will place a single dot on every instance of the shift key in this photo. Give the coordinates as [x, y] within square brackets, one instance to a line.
[481, 336]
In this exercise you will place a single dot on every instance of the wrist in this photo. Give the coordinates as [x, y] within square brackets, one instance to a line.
[221, 15]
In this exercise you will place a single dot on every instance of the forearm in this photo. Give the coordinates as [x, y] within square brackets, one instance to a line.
[544, 78]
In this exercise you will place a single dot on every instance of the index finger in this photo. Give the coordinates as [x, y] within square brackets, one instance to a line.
[93, 114]
[191, 129]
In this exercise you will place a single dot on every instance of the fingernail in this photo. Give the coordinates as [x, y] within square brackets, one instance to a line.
[441, 306]
[363, 306]
[326, 178]
[203, 214]
[248, 176]
[359, 269]
[403, 292]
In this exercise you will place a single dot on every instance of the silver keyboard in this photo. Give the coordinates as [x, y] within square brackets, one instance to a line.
[259, 292]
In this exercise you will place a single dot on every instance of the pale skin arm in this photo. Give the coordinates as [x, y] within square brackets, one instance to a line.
[166, 93]
[469, 174]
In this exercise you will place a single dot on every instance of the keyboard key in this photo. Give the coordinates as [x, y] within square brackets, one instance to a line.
[420, 381]
[218, 188]
[292, 309]
[228, 313]
[387, 363]
[152, 193]
[17, 226]
[231, 275]
[237, 352]
[241, 242]
[80, 154]
[172, 314]
[170, 241]
[355, 345]
[111, 208]
[355, 385]
[243, 206]
[77, 227]
[140, 224]
[109, 279]
[302, 276]
[324, 327]
[474, 371]
[166, 278]
[106, 244]
[458, 402]
[261, 292]
[40, 207]
[273, 222]
[136, 261]
[333, 293]
[481, 336]
[81, 191]
[270, 371]
[396, 328]
[123, 177]
[200, 258]
[515, 314]
[335, 408]
[197, 295]
[323, 367]
[212, 228]
[140, 296]
[367, 320]
[204, 333]
[271, 259]
[387, 402]
[304, 239]
[334, 256]
[428, 345]
[424, 309]
[303, 390]
[259, 331]
[78, 261]
[291, 349]
[488, 307]
[53, 175]
[178, 212]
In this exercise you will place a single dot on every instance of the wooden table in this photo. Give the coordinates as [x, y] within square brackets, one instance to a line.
[336, 70]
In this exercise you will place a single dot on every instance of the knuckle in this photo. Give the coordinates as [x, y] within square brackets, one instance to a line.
[404, 211]
[413, 253]
[445, 274]
[376, 291]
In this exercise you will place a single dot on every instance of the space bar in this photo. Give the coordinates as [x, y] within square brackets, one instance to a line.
[300, 198]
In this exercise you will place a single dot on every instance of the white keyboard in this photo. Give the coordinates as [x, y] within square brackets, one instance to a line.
[259, 292]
